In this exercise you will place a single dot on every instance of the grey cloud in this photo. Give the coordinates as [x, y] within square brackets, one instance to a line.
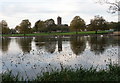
[29, 8]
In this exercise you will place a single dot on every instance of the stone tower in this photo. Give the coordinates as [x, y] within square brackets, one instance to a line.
[59, 20]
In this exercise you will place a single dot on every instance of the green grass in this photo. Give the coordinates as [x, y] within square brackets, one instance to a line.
[112, 74]
[56, 33]
[81, 74]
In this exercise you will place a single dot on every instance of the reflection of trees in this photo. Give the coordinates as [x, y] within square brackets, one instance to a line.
[46, 42]
[78, 44]
[4, 44]
[117, 43]
[25, 44]
[40, 41]
[98, 44]
[50, 45]
[115, 40]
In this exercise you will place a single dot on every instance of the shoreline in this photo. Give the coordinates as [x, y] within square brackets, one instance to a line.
[55, 34]
[60, 35]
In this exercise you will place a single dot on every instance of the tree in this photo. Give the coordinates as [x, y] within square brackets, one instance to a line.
[117, 26]
[17, 28]
[88, 27]
[24, 27]
[50, 25]
[44, 26]
[98, 23]
[62, 28]
[12, 31]
[4, 27]
[114, 25]
[114, 5]
[39, 26]
[77, 24]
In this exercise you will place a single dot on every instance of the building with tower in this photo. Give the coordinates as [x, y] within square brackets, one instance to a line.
[59, 20]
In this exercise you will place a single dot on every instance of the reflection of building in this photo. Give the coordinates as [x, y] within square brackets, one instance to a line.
[59, 20]
[119, 57]
[59, 44]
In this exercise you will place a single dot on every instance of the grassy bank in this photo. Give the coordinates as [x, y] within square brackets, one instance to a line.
[55, 33]
[81, 74]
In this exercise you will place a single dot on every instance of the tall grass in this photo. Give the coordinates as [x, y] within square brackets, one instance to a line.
[110, 74]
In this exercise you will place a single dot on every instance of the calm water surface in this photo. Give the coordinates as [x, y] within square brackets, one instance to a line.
[31, 56]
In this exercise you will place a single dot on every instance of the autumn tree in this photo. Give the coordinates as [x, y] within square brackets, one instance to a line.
[50, 25]
[77, 24]
[114, 26]
[12, 31]
[98, 23]
[114, 7]
[39, 26]
[44, 26]
[24, 27]
[4, 27]
[17, 28]
[62, 28]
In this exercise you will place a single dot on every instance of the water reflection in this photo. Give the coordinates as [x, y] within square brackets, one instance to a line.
[39, 42]
[4, 44]
[59, 44]
[98, 44]
[116, 40]
[78, 44]
[41, 56]
[25, 44]
[49, 43]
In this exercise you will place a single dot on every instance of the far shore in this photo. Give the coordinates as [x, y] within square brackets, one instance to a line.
[116, 33]
[59, 34]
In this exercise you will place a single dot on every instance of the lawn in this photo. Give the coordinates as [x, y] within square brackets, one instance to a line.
[56, 33]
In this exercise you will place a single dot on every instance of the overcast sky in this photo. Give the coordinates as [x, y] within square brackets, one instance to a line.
[14, 11]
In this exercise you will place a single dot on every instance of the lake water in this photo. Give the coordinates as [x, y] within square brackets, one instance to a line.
[31, 56]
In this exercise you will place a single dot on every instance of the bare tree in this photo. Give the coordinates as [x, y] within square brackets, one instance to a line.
[114, 6]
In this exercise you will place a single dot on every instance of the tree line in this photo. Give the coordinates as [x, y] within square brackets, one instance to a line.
[98, 23]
